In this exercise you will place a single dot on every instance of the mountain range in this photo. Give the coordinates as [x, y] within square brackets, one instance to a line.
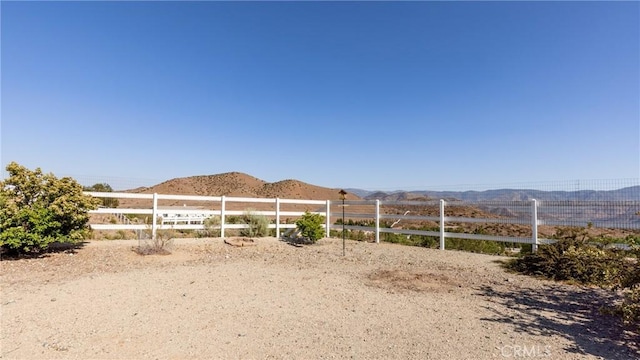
[628, 193]
[243, 185]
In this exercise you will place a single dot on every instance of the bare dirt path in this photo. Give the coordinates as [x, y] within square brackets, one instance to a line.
[273, 300]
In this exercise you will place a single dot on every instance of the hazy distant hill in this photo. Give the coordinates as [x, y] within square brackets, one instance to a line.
[629, 193]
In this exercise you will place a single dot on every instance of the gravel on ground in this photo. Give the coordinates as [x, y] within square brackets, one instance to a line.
[272, 300]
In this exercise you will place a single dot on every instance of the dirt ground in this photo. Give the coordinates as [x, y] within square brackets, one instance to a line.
[211, 300]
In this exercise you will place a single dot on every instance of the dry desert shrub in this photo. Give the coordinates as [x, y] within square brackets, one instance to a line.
[257, 225]
[160, 245]
[574, 259]
[211, 227]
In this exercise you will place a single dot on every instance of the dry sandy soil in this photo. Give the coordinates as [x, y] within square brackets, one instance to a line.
[274, 300]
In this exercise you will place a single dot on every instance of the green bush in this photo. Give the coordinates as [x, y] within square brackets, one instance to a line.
[38, 209]
[477, 246]
[629, 310]
[633, 240]
[104, 187]
[140, 218]
[578, 258]
[574, 260]
[258, 224]
[233, 219]
[310, 226]
[211, 227]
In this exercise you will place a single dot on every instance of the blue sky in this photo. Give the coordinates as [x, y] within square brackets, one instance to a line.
[374, 95]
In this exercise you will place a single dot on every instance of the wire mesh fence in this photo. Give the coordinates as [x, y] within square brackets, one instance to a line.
[591, 213]
[604, 204]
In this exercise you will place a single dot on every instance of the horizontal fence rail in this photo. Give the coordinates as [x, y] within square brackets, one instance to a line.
[524, 216]
[183, 218]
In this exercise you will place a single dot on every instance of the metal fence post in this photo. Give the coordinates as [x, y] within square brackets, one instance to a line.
[534, 225]
[277, 218]
[377, 221]
[327, 223]
[154, 214]
[222, 211]
[442, 224]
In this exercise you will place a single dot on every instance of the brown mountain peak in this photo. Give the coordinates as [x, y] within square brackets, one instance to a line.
[244, 185]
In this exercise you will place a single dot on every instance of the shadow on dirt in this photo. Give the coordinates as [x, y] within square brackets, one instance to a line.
[568, 311]
[69, 248]
[297, 241]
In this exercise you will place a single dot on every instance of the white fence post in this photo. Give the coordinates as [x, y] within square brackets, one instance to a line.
[377, 221]
[327, 220]
[442, 224]
[534, 225]
[154, 216]
[222, 211]
[277, 218]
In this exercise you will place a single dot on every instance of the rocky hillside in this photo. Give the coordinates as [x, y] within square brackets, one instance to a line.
[229, 184]
[242, 185]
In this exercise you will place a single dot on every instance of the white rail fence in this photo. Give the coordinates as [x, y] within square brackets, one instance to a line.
[182, 218]
[193, 219]
[527, 214]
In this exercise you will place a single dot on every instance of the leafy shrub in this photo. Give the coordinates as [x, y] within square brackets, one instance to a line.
[258, 224]
[396, 239]
[39, 209]
[629, 310]
[477, 246]
[232, 219]
[576, 261]
[581, 235]
[104, 187]
[140, 218]
[310, 226]
[211, 227]
[575, 258]
[633, 240]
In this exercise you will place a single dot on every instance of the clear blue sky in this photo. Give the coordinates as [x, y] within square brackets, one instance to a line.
[374, 95]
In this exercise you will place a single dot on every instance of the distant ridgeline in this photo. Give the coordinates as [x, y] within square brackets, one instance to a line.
[625, 194]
